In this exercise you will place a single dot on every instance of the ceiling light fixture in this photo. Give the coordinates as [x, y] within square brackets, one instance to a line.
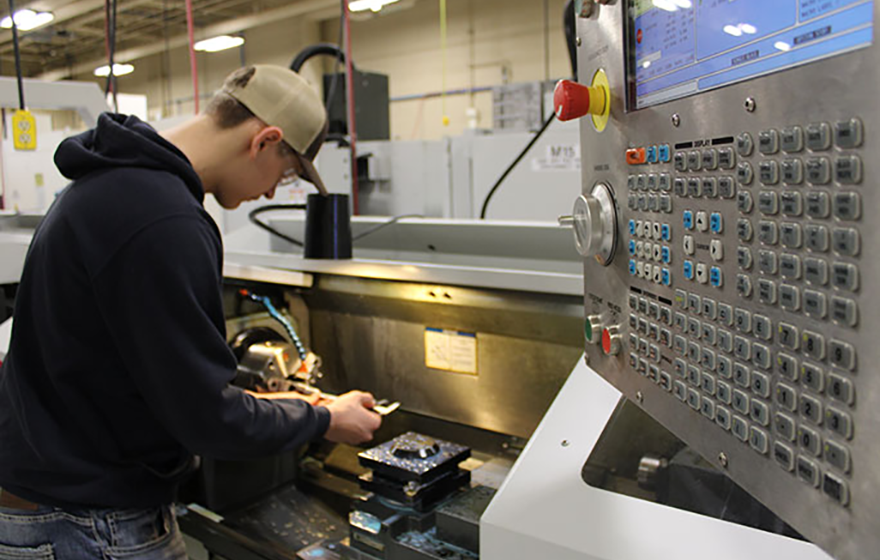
[118, 70]
[26, 20]
[372, 5]
[220, 43]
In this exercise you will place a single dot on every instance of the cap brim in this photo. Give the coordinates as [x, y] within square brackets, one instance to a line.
[310, 174]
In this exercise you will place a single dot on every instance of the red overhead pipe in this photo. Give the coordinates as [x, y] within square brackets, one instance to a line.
[193, 67]
[352, 130]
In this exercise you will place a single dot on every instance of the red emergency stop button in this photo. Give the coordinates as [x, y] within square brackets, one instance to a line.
[572, 100]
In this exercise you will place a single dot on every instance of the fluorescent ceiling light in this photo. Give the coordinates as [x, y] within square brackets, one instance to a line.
[372, 5]
[748, 28]
[782, 45]
[220, 43]
[668, 5]
[27, 20]
[733, 30]
[118, 70]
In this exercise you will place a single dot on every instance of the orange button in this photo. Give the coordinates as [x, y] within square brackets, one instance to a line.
[635, 156]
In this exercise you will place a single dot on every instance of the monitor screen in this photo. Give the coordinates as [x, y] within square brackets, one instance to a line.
[682, 47]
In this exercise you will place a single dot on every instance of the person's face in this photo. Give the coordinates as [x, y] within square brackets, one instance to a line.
[266, 166]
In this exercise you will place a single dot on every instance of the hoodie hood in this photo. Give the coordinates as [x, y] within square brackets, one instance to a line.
[124, 141]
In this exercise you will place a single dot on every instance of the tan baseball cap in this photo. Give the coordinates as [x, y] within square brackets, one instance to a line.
[280, 97]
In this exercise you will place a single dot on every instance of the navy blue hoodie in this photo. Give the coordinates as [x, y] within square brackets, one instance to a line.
[118, 370]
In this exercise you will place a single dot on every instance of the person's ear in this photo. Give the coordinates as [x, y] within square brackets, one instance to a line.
[267, 138]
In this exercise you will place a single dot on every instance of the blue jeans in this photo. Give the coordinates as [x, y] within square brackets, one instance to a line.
[50, 533]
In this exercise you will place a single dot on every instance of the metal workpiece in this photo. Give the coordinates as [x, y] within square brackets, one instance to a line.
[745, 290]
[414, 457]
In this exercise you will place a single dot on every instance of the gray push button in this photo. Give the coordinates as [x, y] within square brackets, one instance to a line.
[740, 428]
[768, 233]
[710, 159]
[744, 144]
[760, 384]
[783, 456]
[743, 320]
[710, 308]
[838, 421]
[694, 352]
[818, 136]
[807, 471]
[694, 160]
[652, 182]
[761, 358]
[768, 202]
[708, 334]
[695, 187]
[743, 286]
[789, 265]
[811, 409]
[786, 397]
[840, 389]
[725, 187]
[815, 304]
[680, 160]
[842, 354]
[695, 304]
[726, 158]
[741, 377]
[722, 417]
[848, 170]
[725, 341]
[784, 426]
[680, 322]
[767, 291]
[665, 184]
[763, 327]
[836, 489]
[760, 412]
[816, 271]
[818, 170]
[710, 187]
[844, 311]
[642, 182]
[680, 367]
[789, 297]
[707, 408]
[768, 141]
[680, 186]
[848, 134]
[767, 262]
[844, 276]
[742, 349]
[707, 359]
[744, 258]
[845, 241]
[744, 202]
[816, 238]
[792, 203]
[788, 336]
[792, 139]
[725, 367]
[768, 172]
[707, 383]
[814, 345]
[744, 173]
[818, 204]
[812, 377]
[792, 171]
[810, 440]
[679, 390]
[725, 314]
[847, 206]
[758, 440]
[665, 381]
[724, 392]
[693, 399]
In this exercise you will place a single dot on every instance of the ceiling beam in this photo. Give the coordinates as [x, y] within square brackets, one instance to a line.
[232, 26]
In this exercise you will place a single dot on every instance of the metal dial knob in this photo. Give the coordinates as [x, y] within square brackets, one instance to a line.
[594, 219]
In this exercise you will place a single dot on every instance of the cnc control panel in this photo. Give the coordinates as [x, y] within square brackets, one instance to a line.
[737, 302]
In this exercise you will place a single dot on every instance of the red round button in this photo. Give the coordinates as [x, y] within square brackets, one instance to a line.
[571, 100]
[606, 341]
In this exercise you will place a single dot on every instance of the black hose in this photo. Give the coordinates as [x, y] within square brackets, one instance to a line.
[569, 24]
[252, 216]
[17, 55]
[314, 50]
[507, 171]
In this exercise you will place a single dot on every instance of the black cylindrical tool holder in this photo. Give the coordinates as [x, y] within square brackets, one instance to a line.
[328, 227]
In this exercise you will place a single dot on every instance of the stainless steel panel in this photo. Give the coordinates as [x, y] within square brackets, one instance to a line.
[840, 87]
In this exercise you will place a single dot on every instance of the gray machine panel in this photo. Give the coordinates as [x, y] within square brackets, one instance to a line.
[830, 489]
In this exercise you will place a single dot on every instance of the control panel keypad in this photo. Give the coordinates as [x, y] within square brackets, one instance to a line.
[764, 357]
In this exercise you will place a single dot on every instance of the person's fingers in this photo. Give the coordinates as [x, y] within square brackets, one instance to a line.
[367, 400]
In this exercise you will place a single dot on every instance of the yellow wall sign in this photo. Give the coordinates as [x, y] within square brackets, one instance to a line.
[24, 130]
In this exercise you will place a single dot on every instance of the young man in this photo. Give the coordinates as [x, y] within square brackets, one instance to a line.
[118, 370]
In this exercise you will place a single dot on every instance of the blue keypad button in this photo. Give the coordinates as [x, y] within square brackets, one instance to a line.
[666, 255]
[688, 270]
[688, 219]
[666, 277]
[663, 153]
[651, 154]
[715, 223]
[632, 247]
[715, 277]
[632, 267]
[666, 232]
[632, 227]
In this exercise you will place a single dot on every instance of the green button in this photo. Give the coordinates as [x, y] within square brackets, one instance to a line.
[588, 330]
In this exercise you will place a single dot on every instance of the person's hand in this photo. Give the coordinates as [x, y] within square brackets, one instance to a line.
[352, 420]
